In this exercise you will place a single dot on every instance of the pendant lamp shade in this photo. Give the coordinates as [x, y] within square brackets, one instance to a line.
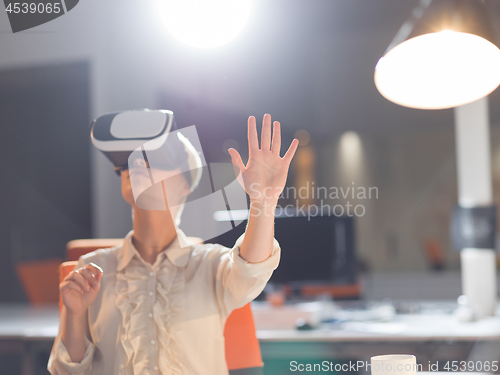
[442, 57]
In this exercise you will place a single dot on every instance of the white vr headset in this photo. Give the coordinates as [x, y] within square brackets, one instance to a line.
[118, 135]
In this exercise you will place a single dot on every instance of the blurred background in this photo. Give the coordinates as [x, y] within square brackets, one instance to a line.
[309, 64]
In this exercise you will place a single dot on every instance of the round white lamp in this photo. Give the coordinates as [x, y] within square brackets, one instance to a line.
[205, 23]
[442, 57]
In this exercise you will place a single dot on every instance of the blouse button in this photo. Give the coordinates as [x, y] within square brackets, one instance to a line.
[155, 368]
[151, 274]
[153, 342]
[150, 293]
[150, 315]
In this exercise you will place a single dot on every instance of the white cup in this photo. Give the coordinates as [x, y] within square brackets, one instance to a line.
[394, 364]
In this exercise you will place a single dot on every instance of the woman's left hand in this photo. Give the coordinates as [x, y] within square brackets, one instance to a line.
[265, 174]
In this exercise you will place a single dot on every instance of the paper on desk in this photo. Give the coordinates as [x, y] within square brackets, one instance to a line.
[381, 328]
[284, 317]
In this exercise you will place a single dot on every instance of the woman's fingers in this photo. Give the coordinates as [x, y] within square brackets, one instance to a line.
[70, 284]
[96, 270]
[239, 167]
[266, 133]
[77, 277]
[276, 145]
[89, 277]
[236, 159]
[86, 277]
[291, 151]
[253, 139]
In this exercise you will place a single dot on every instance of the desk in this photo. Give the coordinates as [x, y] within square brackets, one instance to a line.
[432, 337]
[410, 327]
[27, 330]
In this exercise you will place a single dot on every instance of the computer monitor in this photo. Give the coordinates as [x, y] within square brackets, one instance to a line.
[314, 250]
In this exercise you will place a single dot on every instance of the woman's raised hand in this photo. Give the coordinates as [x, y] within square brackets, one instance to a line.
[80, 287]
[265, 174]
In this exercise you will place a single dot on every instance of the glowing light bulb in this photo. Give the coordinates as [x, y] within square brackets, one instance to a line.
[205, 23]
[350, 146]
[439, 70]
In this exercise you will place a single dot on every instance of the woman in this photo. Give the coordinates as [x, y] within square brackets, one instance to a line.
[151, 306]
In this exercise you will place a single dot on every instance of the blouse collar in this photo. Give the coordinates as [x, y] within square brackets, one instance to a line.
[177, 255]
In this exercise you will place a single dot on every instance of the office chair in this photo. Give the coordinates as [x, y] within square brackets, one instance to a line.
[243, 356]
[76, 248]
[39, 280]
[348, 291]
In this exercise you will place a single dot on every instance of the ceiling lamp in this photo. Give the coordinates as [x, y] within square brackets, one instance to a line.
[442, 57]
[205, 23]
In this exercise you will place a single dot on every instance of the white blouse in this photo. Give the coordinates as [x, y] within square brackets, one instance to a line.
[165, 318]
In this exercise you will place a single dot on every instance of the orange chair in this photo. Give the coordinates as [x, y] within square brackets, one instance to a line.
[76, 248]
[348, 291]
[243, 356]
[39, 280]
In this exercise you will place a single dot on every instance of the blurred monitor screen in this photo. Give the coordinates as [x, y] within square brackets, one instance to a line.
[316, 249]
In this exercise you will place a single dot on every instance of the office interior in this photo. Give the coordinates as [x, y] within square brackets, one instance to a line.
[378, 274]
